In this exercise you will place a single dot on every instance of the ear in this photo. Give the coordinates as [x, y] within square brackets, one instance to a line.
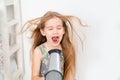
[42, 32]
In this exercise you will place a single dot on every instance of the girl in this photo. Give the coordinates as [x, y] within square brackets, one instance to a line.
[53, 31]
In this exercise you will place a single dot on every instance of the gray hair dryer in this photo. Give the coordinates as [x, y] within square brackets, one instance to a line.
[54, 70]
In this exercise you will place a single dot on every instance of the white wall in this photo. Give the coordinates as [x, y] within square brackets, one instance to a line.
[101, 57]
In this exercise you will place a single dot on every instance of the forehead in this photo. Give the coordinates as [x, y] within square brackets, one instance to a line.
[53, 21]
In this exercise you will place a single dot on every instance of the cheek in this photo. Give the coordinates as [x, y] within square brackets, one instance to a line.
[48, 34]
[63, 32]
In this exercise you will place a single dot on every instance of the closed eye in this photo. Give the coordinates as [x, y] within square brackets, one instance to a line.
[49, 28]
[59, 27]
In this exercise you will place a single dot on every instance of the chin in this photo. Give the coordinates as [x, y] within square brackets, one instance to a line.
[56, 44]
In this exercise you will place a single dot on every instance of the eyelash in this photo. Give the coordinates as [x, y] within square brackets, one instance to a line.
[52, 28]
[59, 28]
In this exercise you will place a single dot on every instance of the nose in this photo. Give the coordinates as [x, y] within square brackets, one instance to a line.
[55, 31]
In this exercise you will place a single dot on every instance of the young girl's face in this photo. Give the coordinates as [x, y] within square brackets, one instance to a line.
[53, 31]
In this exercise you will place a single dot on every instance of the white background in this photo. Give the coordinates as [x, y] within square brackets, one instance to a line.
[101, 57]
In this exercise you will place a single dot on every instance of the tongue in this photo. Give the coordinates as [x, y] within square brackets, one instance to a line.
[55, 39]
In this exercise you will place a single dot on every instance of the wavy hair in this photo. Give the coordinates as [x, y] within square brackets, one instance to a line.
[66, 43]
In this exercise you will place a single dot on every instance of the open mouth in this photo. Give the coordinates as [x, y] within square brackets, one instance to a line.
[55, 39]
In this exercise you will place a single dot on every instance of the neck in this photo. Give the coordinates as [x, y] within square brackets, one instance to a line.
[49, 47]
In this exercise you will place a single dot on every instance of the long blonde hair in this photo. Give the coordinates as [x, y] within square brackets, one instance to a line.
[66, 43]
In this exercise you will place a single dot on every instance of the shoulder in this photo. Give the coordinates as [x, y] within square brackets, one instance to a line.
[37, 52]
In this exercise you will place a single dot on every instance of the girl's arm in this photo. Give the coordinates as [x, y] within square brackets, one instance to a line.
[36, 61]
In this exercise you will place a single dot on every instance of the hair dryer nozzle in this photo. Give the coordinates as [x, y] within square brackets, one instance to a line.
[54, 51]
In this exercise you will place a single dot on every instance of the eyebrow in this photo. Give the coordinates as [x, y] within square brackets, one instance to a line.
[48, 26]
[59, 25]
[52, 26]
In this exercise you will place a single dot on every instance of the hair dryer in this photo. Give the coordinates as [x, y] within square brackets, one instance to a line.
[54, 70]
